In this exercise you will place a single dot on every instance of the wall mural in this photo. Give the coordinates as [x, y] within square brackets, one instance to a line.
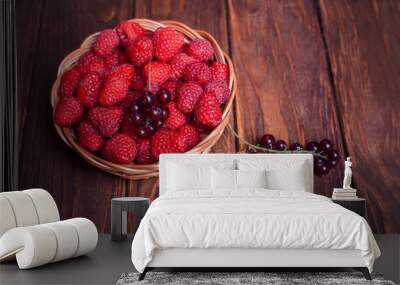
[301, 75]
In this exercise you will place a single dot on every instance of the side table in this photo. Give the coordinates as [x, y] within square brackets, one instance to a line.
[357, 205]
[119, 208]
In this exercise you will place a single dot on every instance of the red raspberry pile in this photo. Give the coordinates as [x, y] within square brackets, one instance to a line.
[137, 94]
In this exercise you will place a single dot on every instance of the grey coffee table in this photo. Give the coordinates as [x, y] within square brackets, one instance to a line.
[119, 213]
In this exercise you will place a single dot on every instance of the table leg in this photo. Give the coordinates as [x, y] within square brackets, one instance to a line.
[118, 222]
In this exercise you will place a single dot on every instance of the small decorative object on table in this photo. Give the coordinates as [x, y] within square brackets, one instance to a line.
[119, 208]
[347, 192]
[347, 174]
[347, 196]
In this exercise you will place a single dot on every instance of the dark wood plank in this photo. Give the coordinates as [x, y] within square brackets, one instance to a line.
[28, 17]
[364, 49]
[205, 15]
[45, 161]
[284, 86]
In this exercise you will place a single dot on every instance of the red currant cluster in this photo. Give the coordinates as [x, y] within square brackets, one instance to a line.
[149, 112]
[325, 156]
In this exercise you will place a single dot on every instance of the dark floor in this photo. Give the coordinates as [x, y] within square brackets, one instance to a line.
[110, 260]
[103, 266]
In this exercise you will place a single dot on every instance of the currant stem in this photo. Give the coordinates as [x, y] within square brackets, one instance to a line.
[149, 77]
[257, 147]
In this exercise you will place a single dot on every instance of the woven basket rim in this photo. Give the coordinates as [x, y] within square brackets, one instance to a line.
[142, 171]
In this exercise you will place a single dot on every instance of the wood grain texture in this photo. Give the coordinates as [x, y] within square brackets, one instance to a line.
[284, 85]
[364, 49]
[78, 188]
[28, 17]
[307, 70]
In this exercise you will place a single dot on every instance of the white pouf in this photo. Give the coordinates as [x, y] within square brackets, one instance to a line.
[45, 205]
[7, 220]
[67, 237]
[87, 234]
[23, 208]
[31, 232]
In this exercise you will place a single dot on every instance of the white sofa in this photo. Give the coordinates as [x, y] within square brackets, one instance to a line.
[31, 231]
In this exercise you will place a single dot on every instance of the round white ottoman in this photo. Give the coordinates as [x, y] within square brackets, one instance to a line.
[31, 232]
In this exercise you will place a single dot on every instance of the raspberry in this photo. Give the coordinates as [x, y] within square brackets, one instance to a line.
[178, 64]
[122, 57]
[179, 142]
[208, 112]
[191, 133]
[144, 155]
[219, 89]
[161, 142]
[198, 71]
[89, 137]
[116, 85]
[185, 138]
[220, 71]
[176, 118]
[106, 42]
[69, 82]
[128, 127]
[128, 31]
[172, 87]
[68, 111]
[106, 120]
[140, 51]
[153, 88]
[159, 72]
[188, 95]
[111, 60]
[167, 43]
[200, 49]
[90, 62]
[138, 79]
[88, 89]
[201, 128]
[120, 149]
[125, 71]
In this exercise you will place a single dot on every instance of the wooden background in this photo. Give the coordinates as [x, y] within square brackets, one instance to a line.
[307, 70]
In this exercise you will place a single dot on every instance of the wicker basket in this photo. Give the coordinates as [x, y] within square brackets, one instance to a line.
[143, 171]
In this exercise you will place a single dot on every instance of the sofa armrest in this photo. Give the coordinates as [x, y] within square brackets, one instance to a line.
[40, 244]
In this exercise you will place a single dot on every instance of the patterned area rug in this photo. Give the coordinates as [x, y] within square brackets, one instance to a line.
[233, 278]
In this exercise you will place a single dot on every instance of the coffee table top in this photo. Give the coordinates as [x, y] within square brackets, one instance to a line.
[130, 199]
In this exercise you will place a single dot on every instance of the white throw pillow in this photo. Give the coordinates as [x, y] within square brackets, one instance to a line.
[292, 179]
[223, 179]
[181, 177]
[280, 175]
[251, 178]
